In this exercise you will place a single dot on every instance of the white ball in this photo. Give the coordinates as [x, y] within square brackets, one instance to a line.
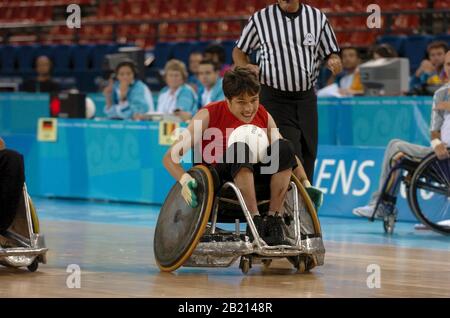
[254, 136]
[90, 108]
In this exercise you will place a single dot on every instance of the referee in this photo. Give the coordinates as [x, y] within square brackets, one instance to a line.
[291, 40]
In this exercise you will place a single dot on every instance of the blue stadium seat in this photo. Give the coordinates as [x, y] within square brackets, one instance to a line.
[415, 49]
[443, 37]
[26, 55]
[8, 57]
[182, 50]
[200, 46]
[229, 46]
[396, 41]
[163, 53]
[47, 50]
[82, 57]
[99, 52]
[62, 57]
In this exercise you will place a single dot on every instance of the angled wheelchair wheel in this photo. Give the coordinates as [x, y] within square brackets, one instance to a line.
[34, 216]
[429, 193]
[308, 214]
[180, 227]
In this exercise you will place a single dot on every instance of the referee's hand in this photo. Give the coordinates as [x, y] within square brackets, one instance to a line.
[334, 64]
[254, 68]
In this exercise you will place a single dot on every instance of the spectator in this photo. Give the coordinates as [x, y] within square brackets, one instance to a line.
[430, 75]
[43, 83]
[216, 53]
[177, 97]
[194, 62]
[127, 97]
[349, 80]
[211, 83]
[383, 51]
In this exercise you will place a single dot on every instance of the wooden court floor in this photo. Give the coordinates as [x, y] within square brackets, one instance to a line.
[117, 261]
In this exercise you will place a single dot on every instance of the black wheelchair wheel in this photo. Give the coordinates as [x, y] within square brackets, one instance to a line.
[429, 193]
[180, 227]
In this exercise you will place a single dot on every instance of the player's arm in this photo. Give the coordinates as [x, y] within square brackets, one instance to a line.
[187, 140]
[2, 144]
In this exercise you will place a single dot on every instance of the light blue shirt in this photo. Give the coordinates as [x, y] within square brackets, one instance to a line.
[139, 100]
[184, 98]
[215, 94]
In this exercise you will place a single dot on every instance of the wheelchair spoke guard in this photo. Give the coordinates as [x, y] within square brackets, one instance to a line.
[180, 227]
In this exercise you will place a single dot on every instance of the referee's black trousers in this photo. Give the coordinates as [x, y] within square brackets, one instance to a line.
[12, 178]
[295, 114]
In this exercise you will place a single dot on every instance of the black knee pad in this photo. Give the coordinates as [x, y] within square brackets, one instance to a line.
[286, 154]
[238, 153]
[11, 184]
[10, 157]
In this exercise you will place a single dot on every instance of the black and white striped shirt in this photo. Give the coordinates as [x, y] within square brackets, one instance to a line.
[290, 50]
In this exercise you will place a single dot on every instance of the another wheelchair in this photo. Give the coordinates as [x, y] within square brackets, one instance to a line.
[22, 245]
[427, 184]
[186, 236]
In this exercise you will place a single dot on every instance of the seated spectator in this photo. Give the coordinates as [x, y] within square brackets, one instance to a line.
[216, 53]
[211, 91]
[43, 83]
[349, 80]
[430, 75]
[194, 61]
[127, 97]
[383, 51]
[177, 97]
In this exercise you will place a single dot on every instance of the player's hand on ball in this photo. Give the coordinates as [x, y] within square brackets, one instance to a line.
[188, 184]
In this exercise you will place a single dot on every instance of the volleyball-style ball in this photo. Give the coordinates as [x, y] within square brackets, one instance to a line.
[90, 108]
[254, 136]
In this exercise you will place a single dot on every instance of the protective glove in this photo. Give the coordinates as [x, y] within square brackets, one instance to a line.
[315, 194]
[188, 184]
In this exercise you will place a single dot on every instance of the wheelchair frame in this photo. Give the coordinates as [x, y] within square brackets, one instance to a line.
[411, 166]
[304, 254]
[29, 245]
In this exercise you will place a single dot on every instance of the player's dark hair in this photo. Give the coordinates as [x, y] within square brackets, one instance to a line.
[240, 81]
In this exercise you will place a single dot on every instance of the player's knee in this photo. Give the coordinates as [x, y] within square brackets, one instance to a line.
[11, 158]
[283, 151]
[394, 144]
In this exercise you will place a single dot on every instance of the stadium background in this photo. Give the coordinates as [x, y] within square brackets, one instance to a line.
[89, 157]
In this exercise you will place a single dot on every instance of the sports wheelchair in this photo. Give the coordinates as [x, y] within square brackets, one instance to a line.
[22, 245]
[189, 237]
[427, 183]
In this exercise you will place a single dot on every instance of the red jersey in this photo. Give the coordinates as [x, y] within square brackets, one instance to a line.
[220, 117]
